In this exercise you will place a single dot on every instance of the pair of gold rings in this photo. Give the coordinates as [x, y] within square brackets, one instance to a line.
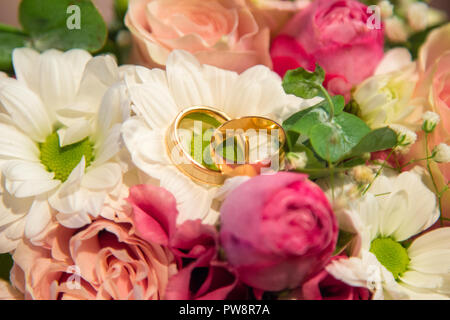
[209, 147]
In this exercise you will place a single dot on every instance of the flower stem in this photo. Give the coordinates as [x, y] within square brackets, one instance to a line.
[383, 165]
[329, 100]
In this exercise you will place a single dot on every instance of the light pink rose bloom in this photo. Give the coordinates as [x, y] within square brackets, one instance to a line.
[194, 245]
[105, 260]
[434, 88]
[334, 34]
[277, 230]
[222, 33]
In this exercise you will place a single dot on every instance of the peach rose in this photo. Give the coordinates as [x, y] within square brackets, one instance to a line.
[223, 33]
[103, 261]
[434, 89]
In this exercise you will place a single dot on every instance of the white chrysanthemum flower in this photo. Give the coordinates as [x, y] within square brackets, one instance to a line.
[442, 153]
[418, 16]
[396, 29]
[395, 210]
[60, 127]
[158, 96]
[386, 8]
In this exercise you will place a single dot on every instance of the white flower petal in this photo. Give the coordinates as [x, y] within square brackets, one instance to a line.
[221, 83]
[73, 220]
[26, 179]
[393, 212]
[434, 240]
[394, 60]
[432, 261]
[187, 84]
[74, 133]
[109, 147]
[104, 177]
[193, 201]
[16, 145]
[38, 218]
[26, 110]
[146, 146]
[154, 103]
[57, 82]
[422, 280]
[26, 67]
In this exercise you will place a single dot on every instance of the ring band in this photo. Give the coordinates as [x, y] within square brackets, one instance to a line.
[245, 131]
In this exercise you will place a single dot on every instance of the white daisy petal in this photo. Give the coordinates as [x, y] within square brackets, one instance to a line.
[73, 220]
[109, 147]
[38, 218]
[26, 179]
[422, 280]
[26, 67]
[15, 230]
[75, 133]
[146, 146]
[154, 103]
[193, 201]
[57, 83]
[187, 84]
[104, 177]
[26, 110]
[392, 212]
[434, 240]
[77, 59]
[16, 145]
[432, 261]
[221, 83]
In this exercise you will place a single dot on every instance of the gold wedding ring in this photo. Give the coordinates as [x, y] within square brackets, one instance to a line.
[207, 146]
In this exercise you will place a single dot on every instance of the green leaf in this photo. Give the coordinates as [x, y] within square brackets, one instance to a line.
[332, 140]
[47, 23]
[377, 140]
[8, 42]
[303, 83]
[6, 264]
[302, 121]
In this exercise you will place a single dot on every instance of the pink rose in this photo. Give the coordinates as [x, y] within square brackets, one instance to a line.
[323, 286]
[434, 89]
[103, 261]
[277, 230]
[195, 246]
[223, 33]
[335, 35]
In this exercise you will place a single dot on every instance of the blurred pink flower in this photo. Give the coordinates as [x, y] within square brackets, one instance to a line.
[434, 88]
[222, 33]
[334, 34]
[277, 230]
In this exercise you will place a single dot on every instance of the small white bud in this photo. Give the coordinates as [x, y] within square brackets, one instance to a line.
[430, 121]
[386, 8]
[442, 153]
[298, 160]
[418, 16]
[396, 29]
[405, 138]
[362, 174]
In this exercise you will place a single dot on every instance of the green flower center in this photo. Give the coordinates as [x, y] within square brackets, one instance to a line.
[391, 254]
[63, 160]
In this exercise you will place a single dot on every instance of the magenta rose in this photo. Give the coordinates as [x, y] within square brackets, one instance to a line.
[323, 286]
[336, 34]
[277, 230]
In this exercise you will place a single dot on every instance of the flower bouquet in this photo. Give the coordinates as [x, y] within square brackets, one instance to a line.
[225, 149]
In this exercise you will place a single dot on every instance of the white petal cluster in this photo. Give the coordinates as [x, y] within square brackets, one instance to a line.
[442, 153]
